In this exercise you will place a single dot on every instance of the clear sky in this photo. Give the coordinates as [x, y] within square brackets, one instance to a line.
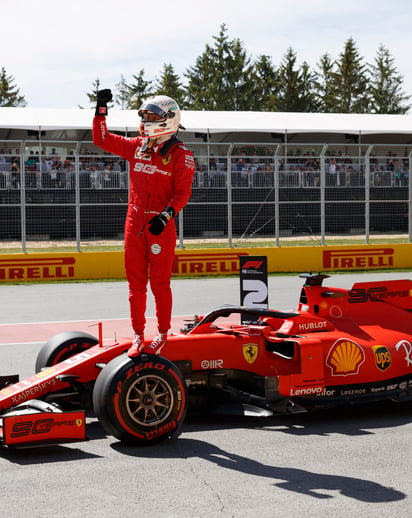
[56, 49]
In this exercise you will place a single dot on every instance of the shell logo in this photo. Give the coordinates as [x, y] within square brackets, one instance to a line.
[345, 357]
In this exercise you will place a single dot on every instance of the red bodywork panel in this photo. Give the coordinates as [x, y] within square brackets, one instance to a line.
[82, 366]
[338, 343]
[43, 428]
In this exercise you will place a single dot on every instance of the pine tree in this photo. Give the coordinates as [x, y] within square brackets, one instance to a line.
[200, 95]
[351, 81]
[93, 94]
[266, 85]
[308, 99]
[170, 84]
[219, 78]
[123, 94]
[296, 85]
[239, 78]
[9, 93]
[385, 85]
[138, 91]
[326, 84]
[225, 78]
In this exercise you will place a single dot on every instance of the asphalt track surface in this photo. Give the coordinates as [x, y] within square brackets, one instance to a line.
[352, 462]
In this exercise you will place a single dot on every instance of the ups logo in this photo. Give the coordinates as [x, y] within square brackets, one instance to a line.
[383, 358]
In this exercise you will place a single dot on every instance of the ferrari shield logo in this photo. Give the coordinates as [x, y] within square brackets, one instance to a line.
[167, 159]
[250, 352]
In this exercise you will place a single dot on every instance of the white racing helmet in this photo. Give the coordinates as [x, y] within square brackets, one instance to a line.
[167, 109]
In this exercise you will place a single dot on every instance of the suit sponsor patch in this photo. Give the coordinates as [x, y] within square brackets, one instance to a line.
[156, 249]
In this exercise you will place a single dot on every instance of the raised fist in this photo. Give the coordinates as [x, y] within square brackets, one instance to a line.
[103, 97]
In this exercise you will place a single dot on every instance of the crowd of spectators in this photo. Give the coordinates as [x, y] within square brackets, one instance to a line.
[48, 171]
[303, 171]
[248, 170]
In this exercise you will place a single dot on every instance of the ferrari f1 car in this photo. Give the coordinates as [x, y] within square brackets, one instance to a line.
[340, 346]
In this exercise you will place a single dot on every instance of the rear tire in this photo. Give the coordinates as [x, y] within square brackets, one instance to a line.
[140, 400]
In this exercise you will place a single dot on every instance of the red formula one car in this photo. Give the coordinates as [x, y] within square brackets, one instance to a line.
[340, 346]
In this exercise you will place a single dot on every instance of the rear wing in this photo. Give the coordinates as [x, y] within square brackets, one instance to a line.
[395, 292]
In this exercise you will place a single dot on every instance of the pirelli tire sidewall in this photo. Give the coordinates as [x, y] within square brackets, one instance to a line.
[63, 346]
[140, 400]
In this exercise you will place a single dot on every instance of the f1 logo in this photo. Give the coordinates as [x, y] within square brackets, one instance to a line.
[252, 264]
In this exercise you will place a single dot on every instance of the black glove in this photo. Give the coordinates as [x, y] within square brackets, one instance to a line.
[103, 97]
[157, 223]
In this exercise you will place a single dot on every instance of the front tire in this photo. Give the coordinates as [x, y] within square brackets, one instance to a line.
[140, 400]
[59, 348]
[63, 346]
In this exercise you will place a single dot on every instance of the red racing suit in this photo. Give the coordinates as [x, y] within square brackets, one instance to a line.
[158, 179]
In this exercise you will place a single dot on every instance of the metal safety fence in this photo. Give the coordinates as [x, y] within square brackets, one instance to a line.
[73, 193]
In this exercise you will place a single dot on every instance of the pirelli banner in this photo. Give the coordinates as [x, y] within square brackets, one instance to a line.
[61, 266]
[68, 266]
[295, 259]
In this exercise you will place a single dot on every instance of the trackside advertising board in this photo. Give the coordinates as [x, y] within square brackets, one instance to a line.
[66, 266]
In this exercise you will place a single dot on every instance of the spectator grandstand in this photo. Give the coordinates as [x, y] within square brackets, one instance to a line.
[267, 175]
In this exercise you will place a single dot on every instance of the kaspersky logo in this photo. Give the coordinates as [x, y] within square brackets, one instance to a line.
[45, 268]
[204, 263]
[357, 258]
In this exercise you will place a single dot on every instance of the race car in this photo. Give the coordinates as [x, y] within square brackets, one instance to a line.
[339, 346]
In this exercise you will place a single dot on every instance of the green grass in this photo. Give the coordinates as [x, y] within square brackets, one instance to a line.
[107, 246]
[312, 241]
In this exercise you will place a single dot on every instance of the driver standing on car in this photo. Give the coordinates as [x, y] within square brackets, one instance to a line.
[161, 175]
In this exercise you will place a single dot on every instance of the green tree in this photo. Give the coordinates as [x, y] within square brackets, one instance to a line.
[266, 85]
[9, 92]
[169, 83]
[308, 99]
[224, 77]
[138, 91]
[351, 81]
[122, 93]
[326, 84]
[296, 85]
[386, 85]
[199, 94]
[240, 78]
[93, 94]
[219, 80]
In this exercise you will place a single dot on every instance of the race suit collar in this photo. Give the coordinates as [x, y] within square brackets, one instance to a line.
[164, 148]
